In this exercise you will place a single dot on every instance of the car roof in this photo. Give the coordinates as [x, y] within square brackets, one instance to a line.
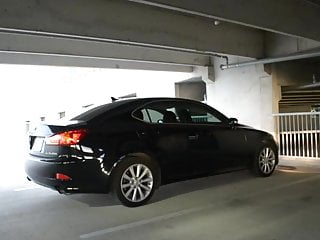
[127, 104]
[149, 99]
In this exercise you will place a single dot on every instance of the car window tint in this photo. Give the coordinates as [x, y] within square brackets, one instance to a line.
[141, 114]
[178, 112]
[196, 114]
[204, 117]
[155, 116]
[157, 112]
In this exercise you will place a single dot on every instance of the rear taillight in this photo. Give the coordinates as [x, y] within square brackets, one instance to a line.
[67, 138]
[63, 177]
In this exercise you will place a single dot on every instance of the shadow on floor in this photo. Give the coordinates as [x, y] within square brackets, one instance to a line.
[188, 186]
[170, 190]
[95, 200]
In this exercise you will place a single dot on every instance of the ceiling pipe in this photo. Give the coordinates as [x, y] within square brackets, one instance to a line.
[272, 60]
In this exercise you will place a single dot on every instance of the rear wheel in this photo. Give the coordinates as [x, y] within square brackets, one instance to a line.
[134, 181]
[265, 161]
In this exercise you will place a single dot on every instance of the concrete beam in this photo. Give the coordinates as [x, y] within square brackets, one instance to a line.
[206, 74]
[281, 45]
[292, 17]
[119, 20]
[92, 51]
[76, 61]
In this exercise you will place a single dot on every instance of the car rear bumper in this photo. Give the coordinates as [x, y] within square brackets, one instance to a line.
[86, 175]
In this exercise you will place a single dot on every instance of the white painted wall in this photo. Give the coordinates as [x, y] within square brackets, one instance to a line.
[244, 93]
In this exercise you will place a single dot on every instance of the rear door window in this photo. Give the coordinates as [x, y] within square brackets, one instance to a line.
[157, 112]
[155, 116]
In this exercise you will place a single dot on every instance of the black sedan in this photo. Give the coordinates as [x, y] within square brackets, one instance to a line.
[131, 147]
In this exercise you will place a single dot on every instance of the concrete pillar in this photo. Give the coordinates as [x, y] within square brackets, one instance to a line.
[245, 93]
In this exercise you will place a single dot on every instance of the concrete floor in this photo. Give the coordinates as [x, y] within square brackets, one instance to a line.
[230, 206]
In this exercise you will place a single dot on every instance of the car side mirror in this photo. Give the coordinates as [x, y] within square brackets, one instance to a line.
[233, 121]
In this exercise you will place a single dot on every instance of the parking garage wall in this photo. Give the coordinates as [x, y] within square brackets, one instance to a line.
[245, 93]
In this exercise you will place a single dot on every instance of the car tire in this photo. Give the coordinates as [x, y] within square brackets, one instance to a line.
[264, 162]
[135, 180]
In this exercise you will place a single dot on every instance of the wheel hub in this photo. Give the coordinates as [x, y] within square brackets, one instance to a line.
[135, 182]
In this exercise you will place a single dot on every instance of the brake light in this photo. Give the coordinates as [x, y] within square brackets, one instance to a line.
[67, 138]
[63, 177]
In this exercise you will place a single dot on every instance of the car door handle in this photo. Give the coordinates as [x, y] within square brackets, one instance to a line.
[193, 137]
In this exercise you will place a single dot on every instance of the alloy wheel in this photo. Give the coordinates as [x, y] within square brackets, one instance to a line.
[136, 182]
[267, 160]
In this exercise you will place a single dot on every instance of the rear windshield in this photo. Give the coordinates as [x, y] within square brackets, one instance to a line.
[95, 111]
[87, 113]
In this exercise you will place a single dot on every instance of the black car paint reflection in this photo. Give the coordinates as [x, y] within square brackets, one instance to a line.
[180, 139]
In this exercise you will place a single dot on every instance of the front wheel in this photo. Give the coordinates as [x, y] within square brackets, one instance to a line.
[135, 181]
[264, 162]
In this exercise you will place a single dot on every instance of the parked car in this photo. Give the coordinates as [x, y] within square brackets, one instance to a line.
[131, 147]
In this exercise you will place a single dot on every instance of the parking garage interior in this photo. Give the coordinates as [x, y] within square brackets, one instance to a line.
[257, 61]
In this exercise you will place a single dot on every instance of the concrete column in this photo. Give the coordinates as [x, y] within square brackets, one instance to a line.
[245, 93]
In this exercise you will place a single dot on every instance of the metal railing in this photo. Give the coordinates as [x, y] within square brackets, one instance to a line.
[298, 134]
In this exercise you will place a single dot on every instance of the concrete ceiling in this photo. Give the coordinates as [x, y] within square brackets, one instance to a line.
[126, 34]
[292, 17]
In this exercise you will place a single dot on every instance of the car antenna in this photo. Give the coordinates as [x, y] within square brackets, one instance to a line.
[113, 99]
